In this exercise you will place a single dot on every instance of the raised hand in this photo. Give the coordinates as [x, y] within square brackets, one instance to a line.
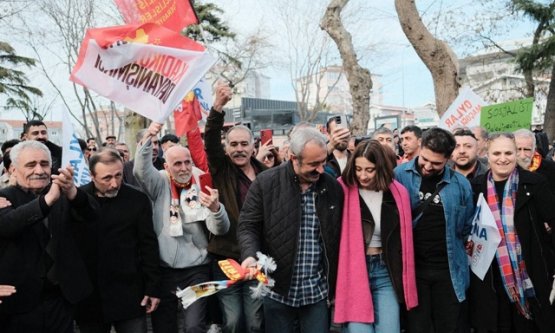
[210, 201]
[223, 95]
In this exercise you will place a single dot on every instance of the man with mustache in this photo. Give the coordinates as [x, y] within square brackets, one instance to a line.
[411, 137]
[120, 250]
[465, 156]
[233, 168]
[182, 227]
[530, 159]
[36, 130]
[38, 256]
[292, 213]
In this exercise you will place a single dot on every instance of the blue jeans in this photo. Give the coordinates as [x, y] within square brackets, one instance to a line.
[281, 318]
[386, 306]
[135, 325]
[240, 312]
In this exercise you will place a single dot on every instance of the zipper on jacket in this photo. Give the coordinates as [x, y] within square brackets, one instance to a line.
[324, 252]
[386, 259]
[328, 301]
[538, 240]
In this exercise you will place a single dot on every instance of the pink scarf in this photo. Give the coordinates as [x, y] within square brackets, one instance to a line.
[353, 302]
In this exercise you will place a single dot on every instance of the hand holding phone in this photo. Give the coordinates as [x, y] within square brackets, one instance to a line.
[206, 180]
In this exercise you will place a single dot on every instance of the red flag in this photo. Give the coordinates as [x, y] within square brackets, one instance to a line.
[187, 115]
[147, 68]
[172, 14]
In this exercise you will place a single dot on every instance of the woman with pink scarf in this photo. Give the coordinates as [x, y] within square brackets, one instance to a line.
[376, 258]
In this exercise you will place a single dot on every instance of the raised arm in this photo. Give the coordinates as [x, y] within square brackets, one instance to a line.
[143, 170]
[213, 129]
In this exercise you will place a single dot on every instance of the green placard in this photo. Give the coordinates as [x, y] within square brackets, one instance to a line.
[507, 117]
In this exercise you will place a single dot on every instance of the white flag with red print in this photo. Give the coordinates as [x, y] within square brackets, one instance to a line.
[147, 68]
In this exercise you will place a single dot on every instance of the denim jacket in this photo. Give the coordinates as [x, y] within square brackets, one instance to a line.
[458, 208]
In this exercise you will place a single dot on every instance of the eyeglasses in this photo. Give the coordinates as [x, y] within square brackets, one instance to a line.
[91, 149]
[269, 157]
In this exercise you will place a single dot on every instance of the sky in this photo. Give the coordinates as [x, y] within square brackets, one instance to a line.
[377, 36]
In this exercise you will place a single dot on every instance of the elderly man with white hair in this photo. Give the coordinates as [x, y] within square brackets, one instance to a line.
[530, 159]
[183, 217]
[38, 256]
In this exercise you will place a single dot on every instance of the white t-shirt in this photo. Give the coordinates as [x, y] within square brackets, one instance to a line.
[373, 200]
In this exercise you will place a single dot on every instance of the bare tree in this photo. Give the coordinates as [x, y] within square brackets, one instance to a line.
[307, 54]
[53, 30]
[241, 56]
[436, 54]
[360, 81]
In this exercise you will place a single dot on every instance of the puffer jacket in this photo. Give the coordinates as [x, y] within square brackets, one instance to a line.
[271, 217]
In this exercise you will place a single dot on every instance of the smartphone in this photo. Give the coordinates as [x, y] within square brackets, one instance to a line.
[266, 136]
[205, 180]
[341, 121]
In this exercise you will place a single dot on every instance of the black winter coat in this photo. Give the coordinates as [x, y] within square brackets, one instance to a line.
[534, 206]
[23, 240]
[271, 216]
[120, 251]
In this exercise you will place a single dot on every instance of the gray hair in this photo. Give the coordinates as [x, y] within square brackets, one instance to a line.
[301, 136]
[526, 133]
[300, 124]
[483, 132]
[382, 130]
[32, 145]
[239, 128]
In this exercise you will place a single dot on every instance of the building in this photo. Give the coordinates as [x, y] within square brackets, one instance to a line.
[493, 75]
[111, 121]
[12, 129]
[390, 116]
[330, 87]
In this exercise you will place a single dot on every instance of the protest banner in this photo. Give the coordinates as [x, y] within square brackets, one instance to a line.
[147, 68]
[463, 112]
[172, 14]
[72, 153]
[485, 239]
[507, 117]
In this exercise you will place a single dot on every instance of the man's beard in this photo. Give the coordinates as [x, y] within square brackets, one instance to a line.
[341, 146]
[524, 163]
[469, 165]
[111, 194]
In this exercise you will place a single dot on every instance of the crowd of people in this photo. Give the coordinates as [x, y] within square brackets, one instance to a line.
[369, 234]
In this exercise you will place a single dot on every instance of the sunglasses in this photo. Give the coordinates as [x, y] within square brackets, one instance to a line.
[269, 157]
[91, 149]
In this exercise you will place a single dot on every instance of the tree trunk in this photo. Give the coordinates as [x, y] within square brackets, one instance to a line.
[134, 122]
[436, 54]
[360, 81]
[549, 119]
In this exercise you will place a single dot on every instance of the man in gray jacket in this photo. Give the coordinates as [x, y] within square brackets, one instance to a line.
[183, 216]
